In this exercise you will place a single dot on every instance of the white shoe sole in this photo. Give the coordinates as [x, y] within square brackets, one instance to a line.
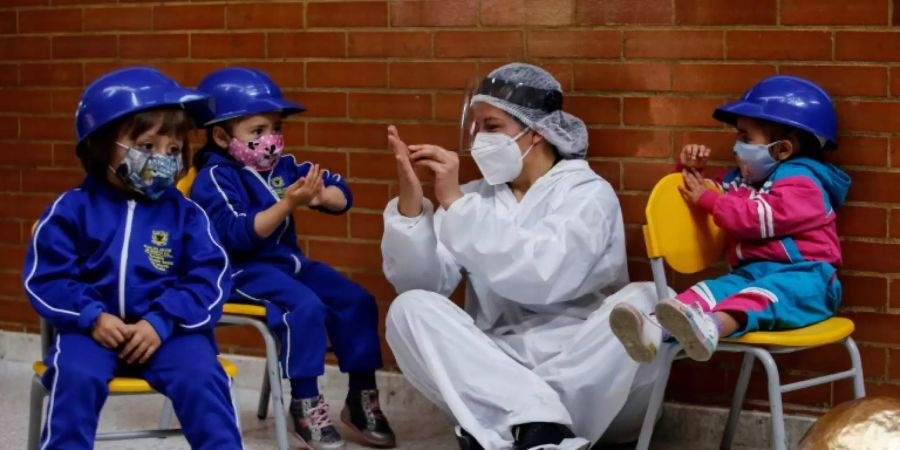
[683, 330]
[626, 325]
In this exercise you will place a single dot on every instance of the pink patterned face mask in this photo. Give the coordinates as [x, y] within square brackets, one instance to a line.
[261, 154]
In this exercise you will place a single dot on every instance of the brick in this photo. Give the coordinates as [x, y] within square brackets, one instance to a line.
[870, 186]
[446, 136]
[24, 47]
[55, 128]
[677, 44]
[895, 230]
[875, 327]
[368, 195]
[430, 75]
[720, 143]
[28, 154]
[64, 155]
[594, 110]
[895, 152]
[862, 221]
[229, 45]
[388, 44]
[843, 80]
[378, 166]
[619, 142]
[49, 20]
[429, 13]
[623, 76]
[528, 12]
[834, 12]
[871, 256]
[592, 12]
[267, 16]
[18, 311]
[860, 151]
[10, 180]
[94, 70]
[26, 101]
[670, 111]
[347, 14]
[9, 75]
[771, 45]
[8, 23]
[366, 225]
[574, 43]
[346, 74]
[461, 44]
[65, 101]
[714, 12]
[643, 176]
[346, 254]
[188, 17]
[51, 181]
[84, 46]
[11, 231]
[894, 366]
[449, 107]
[334, 161]
[562, 71]
[9, 129]
[895, 293]
[719, 79]
[633, 207]
[190, 73]
[868, 116]
[26, 205]
[118, 19]
[863, 290]
[305, 44]
[866, 46]
[155, 45]
[347, 135]
[321, 104]
[390, 106]
[314, 223]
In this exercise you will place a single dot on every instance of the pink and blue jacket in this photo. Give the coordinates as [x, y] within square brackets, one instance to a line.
[789, 218]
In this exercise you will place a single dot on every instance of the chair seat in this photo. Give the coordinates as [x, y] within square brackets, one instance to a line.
[130, 385]
[828, 331]
[244, 309]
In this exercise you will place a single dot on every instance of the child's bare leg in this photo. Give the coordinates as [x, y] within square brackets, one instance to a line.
[729, 324]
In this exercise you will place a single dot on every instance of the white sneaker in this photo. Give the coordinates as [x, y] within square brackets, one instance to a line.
[694, 329]
[640, 342]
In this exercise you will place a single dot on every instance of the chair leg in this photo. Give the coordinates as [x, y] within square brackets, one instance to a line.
[264, 391]
[668, 352]
[779, 437]
[167, 414]
[274, 376]
[36, 413]
[737, 402]
[859, 387]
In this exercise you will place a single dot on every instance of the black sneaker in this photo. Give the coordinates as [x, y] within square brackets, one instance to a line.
[312, 422]
[540, 435]
[362, 413]
[465, 440]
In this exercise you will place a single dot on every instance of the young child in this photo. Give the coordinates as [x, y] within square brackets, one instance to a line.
[128, 272]
[250, 190]
[778, 211]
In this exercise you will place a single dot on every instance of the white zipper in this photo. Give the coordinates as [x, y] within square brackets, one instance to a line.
[123, 258]
[297, 264]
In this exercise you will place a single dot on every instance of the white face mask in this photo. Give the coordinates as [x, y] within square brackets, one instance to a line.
[498, 156]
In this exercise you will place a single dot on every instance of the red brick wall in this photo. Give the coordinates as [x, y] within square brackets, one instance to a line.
[645, 74]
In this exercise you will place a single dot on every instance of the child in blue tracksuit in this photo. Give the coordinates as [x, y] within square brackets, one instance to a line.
[250, 192]
[128, 272]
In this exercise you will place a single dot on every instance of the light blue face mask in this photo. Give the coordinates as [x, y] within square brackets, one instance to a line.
[146, 173]
[757, 159]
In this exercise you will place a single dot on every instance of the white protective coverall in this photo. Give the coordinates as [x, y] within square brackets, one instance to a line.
[534, 342]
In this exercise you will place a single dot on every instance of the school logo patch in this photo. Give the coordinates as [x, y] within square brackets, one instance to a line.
[277, 184]
[158, 251]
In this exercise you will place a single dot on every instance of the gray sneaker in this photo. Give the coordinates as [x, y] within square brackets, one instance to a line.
[362, 413]
[312, 422]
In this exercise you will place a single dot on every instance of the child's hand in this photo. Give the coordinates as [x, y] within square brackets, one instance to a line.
[694, 156]
[694, 186]
[143, 343]
[330, 197]
[304, 190]
[110, 331]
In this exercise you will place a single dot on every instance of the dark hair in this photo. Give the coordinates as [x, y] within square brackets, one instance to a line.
[805, 143]
[96, 151]
[211, 146]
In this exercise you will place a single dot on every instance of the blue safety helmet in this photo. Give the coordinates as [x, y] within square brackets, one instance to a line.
[787, 100]
[130, 90]
[240, 91]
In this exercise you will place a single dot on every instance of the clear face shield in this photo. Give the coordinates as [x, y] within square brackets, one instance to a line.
[515, 95]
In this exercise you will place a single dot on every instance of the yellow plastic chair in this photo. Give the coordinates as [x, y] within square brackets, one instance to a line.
[117, 386]
[689, 241]
[237, 313]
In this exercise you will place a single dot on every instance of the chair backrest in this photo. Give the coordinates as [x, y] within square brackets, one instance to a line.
[683, 235]
[185, 183]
